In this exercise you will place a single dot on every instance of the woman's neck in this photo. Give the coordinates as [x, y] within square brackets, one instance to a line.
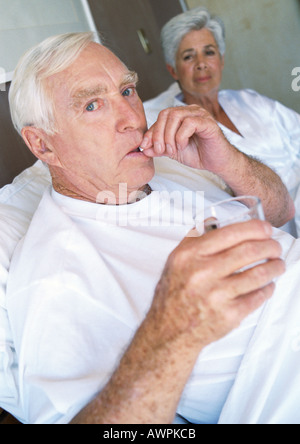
[211, 104]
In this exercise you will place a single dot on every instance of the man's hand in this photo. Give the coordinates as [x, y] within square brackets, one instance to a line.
[203, 294]
[190, 135]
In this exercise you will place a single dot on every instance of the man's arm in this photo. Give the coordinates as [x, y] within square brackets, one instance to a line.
[248, 176]
[199, 299]
[191, 136]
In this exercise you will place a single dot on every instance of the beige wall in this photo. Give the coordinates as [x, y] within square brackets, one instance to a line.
[263, 45]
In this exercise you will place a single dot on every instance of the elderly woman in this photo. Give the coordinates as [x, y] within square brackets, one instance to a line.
[194, 47]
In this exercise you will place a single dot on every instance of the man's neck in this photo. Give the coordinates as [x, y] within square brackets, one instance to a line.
[122, 197]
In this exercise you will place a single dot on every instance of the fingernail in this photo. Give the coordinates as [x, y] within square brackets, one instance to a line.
[268, 229]
[158, 147]
[169, 149]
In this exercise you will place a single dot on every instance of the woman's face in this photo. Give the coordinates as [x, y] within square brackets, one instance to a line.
[199, 65]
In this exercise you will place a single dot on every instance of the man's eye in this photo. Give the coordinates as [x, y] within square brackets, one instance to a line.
[128, 92]
[92, 106]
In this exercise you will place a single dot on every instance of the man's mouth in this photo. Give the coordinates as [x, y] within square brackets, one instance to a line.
[137, 150]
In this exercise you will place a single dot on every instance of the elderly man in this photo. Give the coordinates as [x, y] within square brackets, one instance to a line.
[105, 266]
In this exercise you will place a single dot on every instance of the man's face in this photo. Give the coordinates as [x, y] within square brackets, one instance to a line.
[101, 123]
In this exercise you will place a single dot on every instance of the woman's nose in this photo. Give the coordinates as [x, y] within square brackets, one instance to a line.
[201, 63]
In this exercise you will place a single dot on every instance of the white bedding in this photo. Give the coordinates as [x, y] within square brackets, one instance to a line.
[18, 201]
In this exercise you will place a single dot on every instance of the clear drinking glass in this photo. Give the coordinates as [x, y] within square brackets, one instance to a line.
[228, 212]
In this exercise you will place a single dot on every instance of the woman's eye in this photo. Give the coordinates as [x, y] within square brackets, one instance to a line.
[92, 106]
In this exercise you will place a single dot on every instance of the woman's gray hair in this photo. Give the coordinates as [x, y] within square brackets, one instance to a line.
[195, 19]
[30, 104]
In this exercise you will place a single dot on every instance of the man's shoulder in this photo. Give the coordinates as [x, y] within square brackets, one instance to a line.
[49, 224]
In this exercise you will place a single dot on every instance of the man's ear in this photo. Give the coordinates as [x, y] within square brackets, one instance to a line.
[39, 144]
[172, 72]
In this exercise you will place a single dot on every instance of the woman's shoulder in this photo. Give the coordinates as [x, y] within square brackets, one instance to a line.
[245, 94]
[245, 97]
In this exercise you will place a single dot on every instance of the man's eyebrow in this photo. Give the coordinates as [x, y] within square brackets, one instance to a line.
[130, 77]
[82, 94]
[85, 93]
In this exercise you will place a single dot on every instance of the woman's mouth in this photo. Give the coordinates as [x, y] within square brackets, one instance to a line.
[203, 79]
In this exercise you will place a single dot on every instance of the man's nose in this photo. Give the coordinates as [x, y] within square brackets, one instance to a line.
[128, 116]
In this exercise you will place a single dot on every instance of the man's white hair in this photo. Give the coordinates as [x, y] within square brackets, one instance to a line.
[30, 104]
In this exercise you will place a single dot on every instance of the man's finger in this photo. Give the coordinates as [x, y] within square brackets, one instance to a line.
[250, 302]
[255, 278]
[227, 237]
